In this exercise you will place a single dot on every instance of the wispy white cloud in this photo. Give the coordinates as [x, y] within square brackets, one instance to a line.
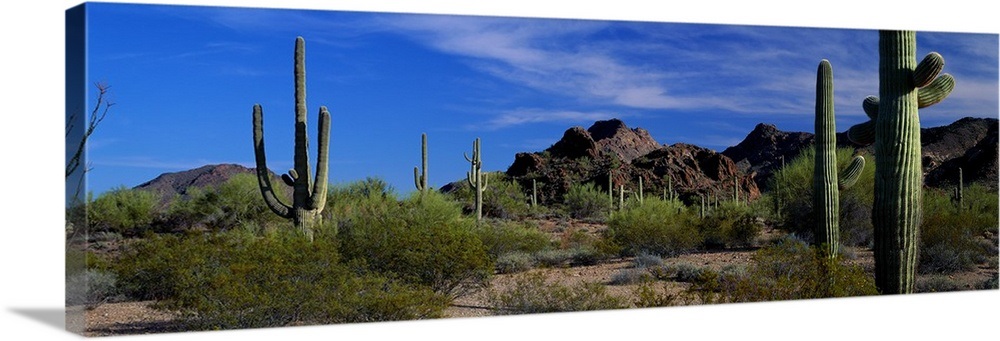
[527, 116]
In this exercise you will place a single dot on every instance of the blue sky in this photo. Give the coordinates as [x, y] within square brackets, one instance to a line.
[184, 80]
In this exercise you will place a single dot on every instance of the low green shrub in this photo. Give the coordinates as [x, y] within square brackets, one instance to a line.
[789, 269]
[514, 262]
[92, 288]
[129, 212]
[425, 240]
[663, 228]
[501, 237]
[531, 294]
[503, 197]
[586, 201]
[229, 205]
[730, 225]
[953, 240]
[235, 280]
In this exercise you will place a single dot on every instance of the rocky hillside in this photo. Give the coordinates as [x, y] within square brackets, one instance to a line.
[169, 185]
[611, 149]
[969, 143]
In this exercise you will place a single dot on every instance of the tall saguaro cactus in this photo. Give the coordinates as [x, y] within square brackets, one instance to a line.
[894, 128]
[420, 176]
[476, 178]
[308, 196]
[826, 186]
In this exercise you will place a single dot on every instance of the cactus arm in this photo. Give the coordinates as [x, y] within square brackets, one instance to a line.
[416, 179]
[289, 178]
[322, 161]
[852, 173]
[263, 178]
[936, 91]
[927, 69]
[870, 105]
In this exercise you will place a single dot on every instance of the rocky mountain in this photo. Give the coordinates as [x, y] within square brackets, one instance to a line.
[610, 151]
[969, 143]
[168, 185]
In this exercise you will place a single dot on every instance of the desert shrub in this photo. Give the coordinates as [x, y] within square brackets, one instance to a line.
[990, 283]
[663, 228]
[646, 296]
[531, 294]
[505, 236]
[514, 262]
[228, 205]
[232, 280]
[936, 284]
[425, 240]
[626, 276]
[796, 183]
[91, 288]
[955, 240]
[354, 200]
[788, 269]
[731, 224]
[503, 197]
[586, 201]
[126, 211]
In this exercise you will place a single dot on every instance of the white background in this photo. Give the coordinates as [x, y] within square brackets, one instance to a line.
[31, 199]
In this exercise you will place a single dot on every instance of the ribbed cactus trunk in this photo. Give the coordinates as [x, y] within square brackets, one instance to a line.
[898, 174]
[476, 178]
[640, 191]
[420, 176]
[826, 205]
[308, 196]
[534, 193]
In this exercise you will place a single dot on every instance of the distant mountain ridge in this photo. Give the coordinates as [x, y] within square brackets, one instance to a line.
[610, 148]
[970, 143]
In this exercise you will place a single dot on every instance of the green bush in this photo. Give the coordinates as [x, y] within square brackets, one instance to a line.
[586, 201]
[92, 288]
[236, 280]
[663, 228]
[954, 240]
[789, 269]
[502, 237]
[796, 184]
[231, 204]
[503, 198]
[425, 241]
[731, 224]
[531, 294]
[129, 212]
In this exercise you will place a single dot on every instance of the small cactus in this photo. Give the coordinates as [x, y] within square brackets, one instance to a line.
[959, 197]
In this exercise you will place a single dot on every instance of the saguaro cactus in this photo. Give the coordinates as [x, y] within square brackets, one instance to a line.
[959, 197]
[420, 176]
[534, 193]
[826, 186]
[475, 176]
[640, 191]
[894, 128]
[308, 196]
